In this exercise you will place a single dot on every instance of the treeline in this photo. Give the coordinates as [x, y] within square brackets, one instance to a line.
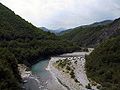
[21, 42]
[27, 51]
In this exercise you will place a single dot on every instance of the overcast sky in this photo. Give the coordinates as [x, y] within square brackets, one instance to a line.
[55, 14]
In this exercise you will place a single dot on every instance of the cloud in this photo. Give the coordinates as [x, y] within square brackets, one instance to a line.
[64, 13]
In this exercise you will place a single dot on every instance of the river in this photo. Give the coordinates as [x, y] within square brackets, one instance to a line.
[42, 78]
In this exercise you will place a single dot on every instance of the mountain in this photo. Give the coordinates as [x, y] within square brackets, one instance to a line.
[57, 31]
[92, 35]
[103, 64]
[45, 29]
[21, 42]
[105, 22]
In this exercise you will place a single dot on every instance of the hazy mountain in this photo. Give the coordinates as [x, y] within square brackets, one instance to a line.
[57, 31]
[45, 29]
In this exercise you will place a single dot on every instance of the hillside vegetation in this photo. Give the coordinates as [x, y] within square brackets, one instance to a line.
[103, 64]
[83, 36]
[92, 35]
[21, 42]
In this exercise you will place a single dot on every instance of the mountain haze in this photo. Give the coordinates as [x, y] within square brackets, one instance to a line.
[57, 31]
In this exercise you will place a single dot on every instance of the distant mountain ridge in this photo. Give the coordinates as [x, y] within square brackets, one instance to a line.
[94, 34]
[57, 31]
[105, 22]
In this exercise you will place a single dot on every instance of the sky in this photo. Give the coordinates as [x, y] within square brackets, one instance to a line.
[54, 14]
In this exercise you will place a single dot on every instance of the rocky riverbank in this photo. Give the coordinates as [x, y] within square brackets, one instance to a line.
[30, 81]
[77, 63]
[24, 72]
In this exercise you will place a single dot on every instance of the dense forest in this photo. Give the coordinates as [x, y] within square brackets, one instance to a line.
[93, 34]
[103, 64]
[21, 42]
[83, 36]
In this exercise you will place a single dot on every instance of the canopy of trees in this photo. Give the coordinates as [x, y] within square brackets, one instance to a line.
[21, 42]
[103, 64]
[92, 35]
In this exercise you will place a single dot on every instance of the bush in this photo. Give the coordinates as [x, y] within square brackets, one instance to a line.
[88, 86]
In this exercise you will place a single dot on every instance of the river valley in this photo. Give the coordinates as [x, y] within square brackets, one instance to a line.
[45, 76]
[41, 78]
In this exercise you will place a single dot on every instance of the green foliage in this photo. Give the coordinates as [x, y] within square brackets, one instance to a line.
[94, 34]
[21, 42]
[88, 86]
[76, 80]
[9, 75]
[72, 74]
[84, 36]
[65, 66]
[103, 64]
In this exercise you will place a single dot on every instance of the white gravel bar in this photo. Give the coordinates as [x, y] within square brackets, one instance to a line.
[79, 70]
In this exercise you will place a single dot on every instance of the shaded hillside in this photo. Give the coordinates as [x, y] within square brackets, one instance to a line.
[94, 34]
[103, 64]
[21, 42]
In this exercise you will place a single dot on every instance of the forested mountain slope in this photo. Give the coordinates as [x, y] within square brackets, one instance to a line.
[92, 35]
[21, 42]
[106, 22]
[83, 36]
[103, 64]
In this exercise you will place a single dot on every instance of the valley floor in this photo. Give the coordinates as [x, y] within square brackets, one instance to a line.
[77, 60]
[60, 80]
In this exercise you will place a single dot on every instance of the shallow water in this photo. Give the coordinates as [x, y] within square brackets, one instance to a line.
[42, 79]
[39, 69]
